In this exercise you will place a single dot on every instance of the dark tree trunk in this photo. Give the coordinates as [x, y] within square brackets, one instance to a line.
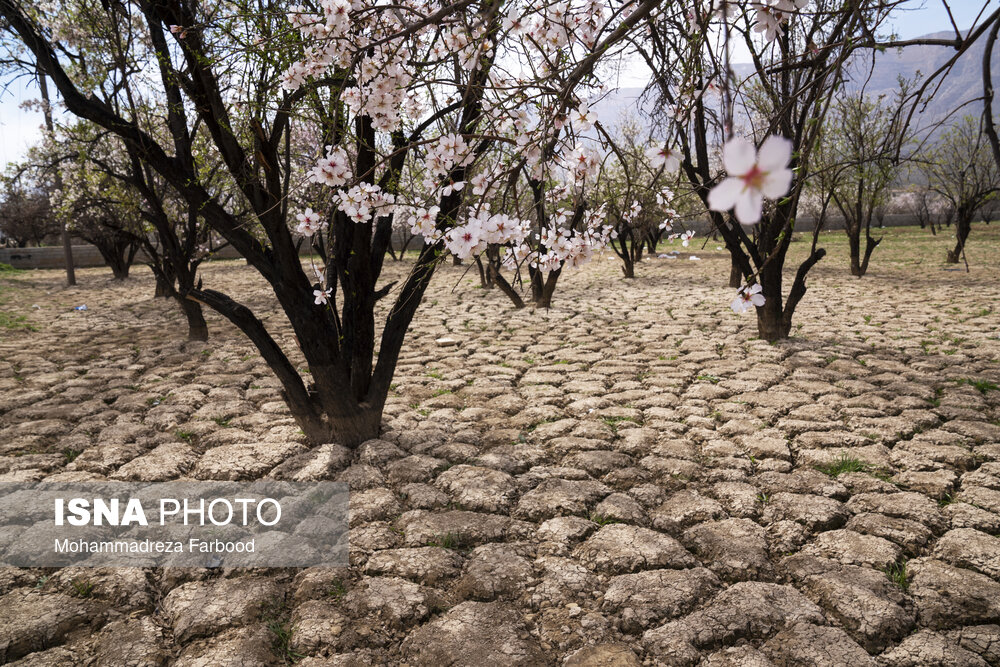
[854, 243]
[628, 266]
[485, 276]
[963, 225]
[165, 280]
[735, 274]
[543, 287]
[197, 327]
[774, 319]
[503, 285]
[118, 254]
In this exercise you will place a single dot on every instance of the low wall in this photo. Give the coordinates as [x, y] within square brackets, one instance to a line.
[86, 255]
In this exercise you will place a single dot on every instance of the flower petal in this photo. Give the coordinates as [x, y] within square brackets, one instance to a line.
[724, 195]
[774, 153]
[748, 207]
[738, 156]
[776, 183]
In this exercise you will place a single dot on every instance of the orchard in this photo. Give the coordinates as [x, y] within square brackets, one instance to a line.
[640, 332]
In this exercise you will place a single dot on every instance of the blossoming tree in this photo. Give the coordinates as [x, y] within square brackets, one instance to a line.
[768, 122]
[441, 83]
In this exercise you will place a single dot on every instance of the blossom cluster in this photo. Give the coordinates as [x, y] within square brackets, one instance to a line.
[334, 169]
[562, 245]
[310, 222]
[559, 25]
[771, 14]
[365, 201]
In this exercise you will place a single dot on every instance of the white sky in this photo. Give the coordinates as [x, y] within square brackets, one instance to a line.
[20, 128]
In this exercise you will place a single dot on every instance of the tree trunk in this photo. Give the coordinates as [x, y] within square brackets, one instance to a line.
[628, 266]
[963, 226]
[67, 243]
[854, 242]
[165, 280]
[735, 275]
[197, 327]
[347, 428]
[485, 276]
[770, 318]
[542, 289]
[504, 286]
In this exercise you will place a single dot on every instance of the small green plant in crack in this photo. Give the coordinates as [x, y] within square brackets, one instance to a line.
[70, 454]
[453, 541]
[442, 392]
[42, 580]
[714, 379]
[81, 588]
[186, 436]
[764, 498]
[224, 423]
[896, 572]
[982, 386]
[433, 373]
[337, 589]
[614, 422]
[946, 499]
[279, 625]
[842, 464]
[602, 520]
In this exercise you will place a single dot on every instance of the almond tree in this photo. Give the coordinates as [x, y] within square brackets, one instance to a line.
[384, 83]
[861, 139]
[960, 168]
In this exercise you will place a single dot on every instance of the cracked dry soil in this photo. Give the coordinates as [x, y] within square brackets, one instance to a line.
[630, 478]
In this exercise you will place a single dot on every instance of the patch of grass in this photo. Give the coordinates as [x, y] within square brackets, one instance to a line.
[279, 625]
[897, 574]
[186, 436]
[982, 386]
[15, 322]
[602, 520]
[82, 589]
[224, 423]
[42, 580]
[763, 498]
[844, 463]
[946, 499]
[614, 422]
[336, 590]
[714, 379]
[453, 541]
[70, 454]
[8, 270]
[442, 392]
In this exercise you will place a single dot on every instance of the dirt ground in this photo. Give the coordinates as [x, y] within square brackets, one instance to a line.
[629, 478]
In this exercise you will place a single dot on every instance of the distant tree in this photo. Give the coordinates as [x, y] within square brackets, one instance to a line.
[862, 137]
[961, 169]
[636, 195]
[25, 215]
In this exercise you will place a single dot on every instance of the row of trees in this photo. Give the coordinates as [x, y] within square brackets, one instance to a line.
[265, 128]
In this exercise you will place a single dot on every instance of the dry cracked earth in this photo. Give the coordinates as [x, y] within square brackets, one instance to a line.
[630, 478]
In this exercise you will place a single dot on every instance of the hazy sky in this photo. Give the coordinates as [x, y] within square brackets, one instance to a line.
[20, 128]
